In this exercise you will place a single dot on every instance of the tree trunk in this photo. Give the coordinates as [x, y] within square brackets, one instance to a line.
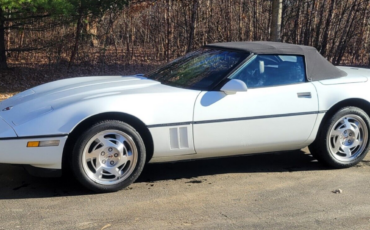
[345, 35]
[296, 24]
[192, 25]
[241, 34]
[277, 8]
[318, 26]
[168, 29]
[307, 31]
[336, 30]
[77, 37]
[3, 64]
[92, 30]
[255, 19]
[228, 21]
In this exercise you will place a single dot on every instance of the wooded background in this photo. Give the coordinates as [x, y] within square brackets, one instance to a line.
[64, 40]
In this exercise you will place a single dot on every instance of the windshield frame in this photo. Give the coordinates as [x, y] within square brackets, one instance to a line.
[215, 86]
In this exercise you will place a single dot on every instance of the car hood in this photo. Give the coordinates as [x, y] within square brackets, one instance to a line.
[53, 95]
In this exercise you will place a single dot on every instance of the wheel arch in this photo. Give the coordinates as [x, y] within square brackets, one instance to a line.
[355, 102]
[135, 122]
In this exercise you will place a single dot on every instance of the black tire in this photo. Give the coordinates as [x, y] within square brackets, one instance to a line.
[323, 148]
[82, 173]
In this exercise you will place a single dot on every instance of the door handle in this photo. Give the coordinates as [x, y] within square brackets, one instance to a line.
[304, 95]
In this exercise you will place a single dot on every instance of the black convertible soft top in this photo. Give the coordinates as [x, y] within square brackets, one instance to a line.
[317, 67]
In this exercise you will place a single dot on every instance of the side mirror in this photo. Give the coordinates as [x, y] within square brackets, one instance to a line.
[233, 86]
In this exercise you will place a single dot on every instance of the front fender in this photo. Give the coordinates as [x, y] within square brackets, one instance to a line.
[151, 109]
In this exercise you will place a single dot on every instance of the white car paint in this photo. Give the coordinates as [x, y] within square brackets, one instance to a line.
[15, 151]
[6, 130]
[237, 124]
[182, 122]
[64, 106]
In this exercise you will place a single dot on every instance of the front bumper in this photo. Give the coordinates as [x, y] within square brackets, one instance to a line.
[15, 151]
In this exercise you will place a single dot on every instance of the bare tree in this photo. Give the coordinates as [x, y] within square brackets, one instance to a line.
[277, 9]
[149, 32]
[3, 63]
[192, 25]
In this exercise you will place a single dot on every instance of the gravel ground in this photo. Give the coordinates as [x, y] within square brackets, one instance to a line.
[286, 190]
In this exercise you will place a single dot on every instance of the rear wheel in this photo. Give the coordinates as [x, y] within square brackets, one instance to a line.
[108, 157]
[344, 139]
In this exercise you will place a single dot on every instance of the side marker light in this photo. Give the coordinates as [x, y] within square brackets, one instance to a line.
[32, 144]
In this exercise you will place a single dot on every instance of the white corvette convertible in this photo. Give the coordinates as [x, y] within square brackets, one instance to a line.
[223, 99]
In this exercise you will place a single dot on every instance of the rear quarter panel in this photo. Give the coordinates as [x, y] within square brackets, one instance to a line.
[331, 92]
[355, 85]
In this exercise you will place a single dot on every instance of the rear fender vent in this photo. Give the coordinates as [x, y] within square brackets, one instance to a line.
[179, 138]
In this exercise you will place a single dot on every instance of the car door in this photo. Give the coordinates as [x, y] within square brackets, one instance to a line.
[277, 114]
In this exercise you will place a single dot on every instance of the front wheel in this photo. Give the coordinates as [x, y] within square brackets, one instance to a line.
[344, 139]
[108, 157]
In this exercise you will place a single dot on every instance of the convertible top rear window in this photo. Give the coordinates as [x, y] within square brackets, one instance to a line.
[201, 69]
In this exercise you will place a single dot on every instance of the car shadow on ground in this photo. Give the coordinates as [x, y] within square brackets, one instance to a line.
[267, 162]
[16, 183]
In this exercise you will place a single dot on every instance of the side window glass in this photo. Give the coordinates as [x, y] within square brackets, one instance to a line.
[272, 70]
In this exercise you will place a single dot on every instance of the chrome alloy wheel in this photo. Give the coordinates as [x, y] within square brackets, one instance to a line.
[109, 157]
[348, 138]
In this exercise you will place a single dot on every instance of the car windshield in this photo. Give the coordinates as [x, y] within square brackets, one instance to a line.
[201, 69]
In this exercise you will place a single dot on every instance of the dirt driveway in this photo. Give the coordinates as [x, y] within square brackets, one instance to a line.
[286, 190]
